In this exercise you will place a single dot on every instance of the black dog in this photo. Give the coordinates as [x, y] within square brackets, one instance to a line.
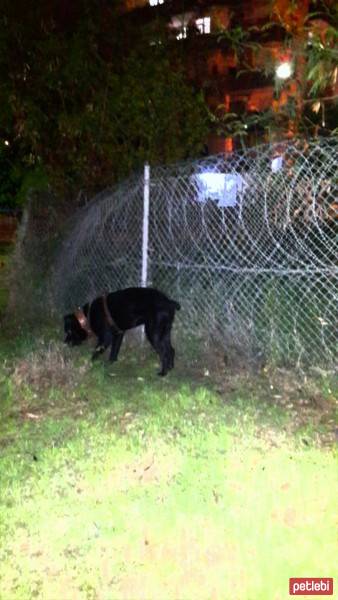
[108, 317]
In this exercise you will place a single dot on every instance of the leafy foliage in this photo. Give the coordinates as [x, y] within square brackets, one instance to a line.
[86, 98]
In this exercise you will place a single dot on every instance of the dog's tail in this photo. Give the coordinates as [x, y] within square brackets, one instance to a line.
[176, 304]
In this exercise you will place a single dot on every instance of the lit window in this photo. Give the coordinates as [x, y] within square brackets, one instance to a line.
[203, 25]
[155, 2]
[182, 34]
[180, 25]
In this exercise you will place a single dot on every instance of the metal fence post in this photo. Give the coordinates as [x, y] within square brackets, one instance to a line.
[145, 225]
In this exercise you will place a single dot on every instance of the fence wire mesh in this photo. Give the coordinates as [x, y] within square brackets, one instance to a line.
[248, 244]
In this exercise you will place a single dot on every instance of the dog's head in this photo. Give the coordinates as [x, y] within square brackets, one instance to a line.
[75, 333]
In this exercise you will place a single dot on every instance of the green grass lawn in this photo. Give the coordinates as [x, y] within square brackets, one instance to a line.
[203, 485]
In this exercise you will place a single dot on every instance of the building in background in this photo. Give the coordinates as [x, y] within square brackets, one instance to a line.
[229, 48]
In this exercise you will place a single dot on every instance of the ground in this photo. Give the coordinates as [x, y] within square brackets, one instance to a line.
[118, 484]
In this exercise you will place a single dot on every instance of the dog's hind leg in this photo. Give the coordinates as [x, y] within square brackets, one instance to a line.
[171, 355]
[115, 347]
[151, 332]
[158, 334]
[167, 354]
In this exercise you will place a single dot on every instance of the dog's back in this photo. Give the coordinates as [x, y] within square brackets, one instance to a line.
[135, 305]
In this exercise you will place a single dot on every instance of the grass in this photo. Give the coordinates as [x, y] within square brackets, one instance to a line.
[116, 484]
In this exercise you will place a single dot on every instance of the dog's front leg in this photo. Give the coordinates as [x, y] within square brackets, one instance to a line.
[115, 347]
[103, 342]
[100, 348]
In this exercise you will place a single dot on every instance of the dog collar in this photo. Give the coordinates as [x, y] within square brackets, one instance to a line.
[85, 324]
[82, 320]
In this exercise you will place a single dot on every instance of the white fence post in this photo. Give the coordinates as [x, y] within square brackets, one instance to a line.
[145, 226]
[145, 229]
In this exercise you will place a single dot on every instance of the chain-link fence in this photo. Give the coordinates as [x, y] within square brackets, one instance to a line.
[247, 243]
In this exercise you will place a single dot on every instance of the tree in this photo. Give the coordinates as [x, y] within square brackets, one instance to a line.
[87, 97]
